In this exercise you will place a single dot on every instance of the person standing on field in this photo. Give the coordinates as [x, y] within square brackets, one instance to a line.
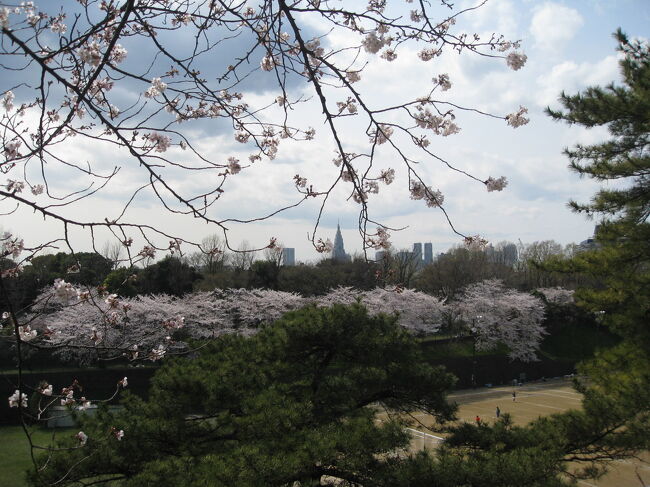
[498, 412]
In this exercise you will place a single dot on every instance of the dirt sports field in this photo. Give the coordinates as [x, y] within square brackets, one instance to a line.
[533, 400]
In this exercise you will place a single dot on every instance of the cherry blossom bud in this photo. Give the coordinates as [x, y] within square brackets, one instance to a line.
[156, 88]
[352, 76]
[15, 186]
[300, 182]
[16, 397]
[517, 119]
[26, 333]
[119, 434]
[4, 17]
[389, 55]
[516, 60]
[147, 251]
[372, 43]
[157, 353]
[160, 143]
[8, 99]
[118, 54]
[83, 404]
[267, 63]
[382, 134]
[233, 165]
[496, 184]
[443, 82]
[387, 176]
[82, 438]
[324, 246]
[475, 242]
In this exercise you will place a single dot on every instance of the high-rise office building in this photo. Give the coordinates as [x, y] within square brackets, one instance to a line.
[428, 253]
[288, 256]
[417, 251]
[338, 252]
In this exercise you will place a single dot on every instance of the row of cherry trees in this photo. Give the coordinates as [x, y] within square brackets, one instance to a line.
[85, 325]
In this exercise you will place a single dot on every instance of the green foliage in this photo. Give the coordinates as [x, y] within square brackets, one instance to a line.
[86, 268]
[295, 402]
[624, 110]
[617, 402]
[264, 274]
[15, 459]
[122, 281]
[169, 276]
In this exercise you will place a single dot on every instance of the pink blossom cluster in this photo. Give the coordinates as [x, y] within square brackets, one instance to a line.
[518, 119]
[11, 149]
[324, 246]
[159, 142]
[496, 184]
[380, 240]
[11, 246]
[557, 295]
[432, 197]
[516, 60]
[8, 100]
[382, 134]
[495, 314]
[16, 398]
[156, 88]
[440, 125]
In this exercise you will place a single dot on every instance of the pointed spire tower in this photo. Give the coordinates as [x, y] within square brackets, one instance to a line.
[338, 252]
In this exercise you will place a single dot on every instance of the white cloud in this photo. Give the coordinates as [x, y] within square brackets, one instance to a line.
[571, 77]
[553, 25]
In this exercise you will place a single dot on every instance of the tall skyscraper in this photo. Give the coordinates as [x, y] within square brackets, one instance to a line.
[288, 256]
[428, 253]
[417, 251]
[338, 252]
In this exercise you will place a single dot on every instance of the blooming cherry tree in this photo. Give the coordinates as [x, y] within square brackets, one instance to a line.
[148, 327]
[495, 314]
[416, 311]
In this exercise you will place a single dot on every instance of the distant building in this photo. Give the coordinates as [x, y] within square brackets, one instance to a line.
[428, 253]
[379, 255]
[288, 256]
[338, 252]
[417, 251]
[590, 243]
[405, 256]
[504, 253]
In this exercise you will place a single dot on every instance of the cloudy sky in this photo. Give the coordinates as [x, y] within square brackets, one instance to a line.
[569, 46]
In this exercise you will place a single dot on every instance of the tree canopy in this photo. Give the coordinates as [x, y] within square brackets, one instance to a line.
[298, 401]
[620, 264]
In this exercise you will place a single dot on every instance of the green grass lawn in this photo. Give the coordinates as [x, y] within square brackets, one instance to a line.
[15, 456]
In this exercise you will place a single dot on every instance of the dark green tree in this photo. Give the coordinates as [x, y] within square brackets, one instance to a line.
[122, 281]
[169, 276]
[264, 274]
[620, 265]
[298, 401]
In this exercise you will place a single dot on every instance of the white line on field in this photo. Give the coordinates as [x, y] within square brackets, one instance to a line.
[542, 405]
[426, 435]
[561, 391]
[554, 395]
